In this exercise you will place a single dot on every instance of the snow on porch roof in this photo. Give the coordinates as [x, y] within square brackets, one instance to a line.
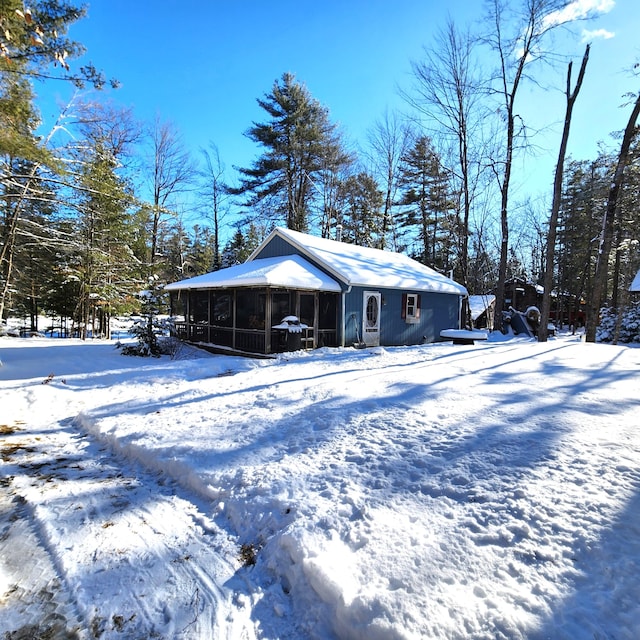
[635, 285]
[291, 272]
[366, 267]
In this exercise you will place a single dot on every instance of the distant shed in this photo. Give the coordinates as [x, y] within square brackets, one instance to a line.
[482, 309]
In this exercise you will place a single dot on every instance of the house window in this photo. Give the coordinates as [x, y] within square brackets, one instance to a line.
[411, 308]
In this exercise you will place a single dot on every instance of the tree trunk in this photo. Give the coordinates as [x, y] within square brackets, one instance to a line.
[615, 280]
[557, 195]
[504, 234]
[604, 249]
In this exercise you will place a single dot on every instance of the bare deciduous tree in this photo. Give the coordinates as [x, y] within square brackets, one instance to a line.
[517, 40]
[448, 93]
[388, 140]
[172, 170]
[215, 194]
[571, 96]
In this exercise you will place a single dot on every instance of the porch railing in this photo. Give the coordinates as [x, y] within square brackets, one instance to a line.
[249, 340]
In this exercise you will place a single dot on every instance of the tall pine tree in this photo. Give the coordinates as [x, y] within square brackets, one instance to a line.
[426, 205]
[33, 45]
[299, 143]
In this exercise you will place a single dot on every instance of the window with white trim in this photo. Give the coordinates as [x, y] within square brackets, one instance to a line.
[411, 310]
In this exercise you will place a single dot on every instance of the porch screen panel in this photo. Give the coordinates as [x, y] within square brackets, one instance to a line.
[222, 309]
[328, 311]
[307, 308]
[327, 332]
[199, 307]
[281, 306]
[250, 308]
[177, 303]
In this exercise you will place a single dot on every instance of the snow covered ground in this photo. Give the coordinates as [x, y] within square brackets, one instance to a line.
[440, 491]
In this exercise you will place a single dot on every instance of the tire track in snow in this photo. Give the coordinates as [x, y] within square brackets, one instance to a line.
[33, 600]
[117, 552]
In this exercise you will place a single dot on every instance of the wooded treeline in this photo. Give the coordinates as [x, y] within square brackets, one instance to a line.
[94, 210]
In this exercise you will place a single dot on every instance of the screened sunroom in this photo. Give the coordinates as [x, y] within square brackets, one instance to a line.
[242, 308]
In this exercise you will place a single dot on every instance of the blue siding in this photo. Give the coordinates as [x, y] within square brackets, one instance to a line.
[277, 247]
[353, 315]
[437, 310]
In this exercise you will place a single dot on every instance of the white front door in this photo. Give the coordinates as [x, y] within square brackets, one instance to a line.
[371, 318]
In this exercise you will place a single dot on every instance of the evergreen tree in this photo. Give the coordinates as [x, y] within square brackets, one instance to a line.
[362, 214]
[300, 143]
[33, 39]
[427, 205]
[107, 225]
[202, 251]
[626, 236]
[33, 44]
[240, 247]
[105, 256]
[580, 220]
[36, 241]
[21, 160]
[150, 329]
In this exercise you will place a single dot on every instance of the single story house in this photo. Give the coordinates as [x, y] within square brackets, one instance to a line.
[329, 293]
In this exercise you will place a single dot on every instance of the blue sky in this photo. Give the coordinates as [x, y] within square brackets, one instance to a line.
[202, 65]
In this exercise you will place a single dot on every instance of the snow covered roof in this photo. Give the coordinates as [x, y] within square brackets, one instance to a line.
[635, 285]
[363, 266]
[292, 272]
[479, 304]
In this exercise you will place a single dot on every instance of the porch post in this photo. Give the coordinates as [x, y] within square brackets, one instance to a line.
[187, 314]
[209, 315]
[267, 321]
[316, 318]
[343, 304]
[234, 302]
